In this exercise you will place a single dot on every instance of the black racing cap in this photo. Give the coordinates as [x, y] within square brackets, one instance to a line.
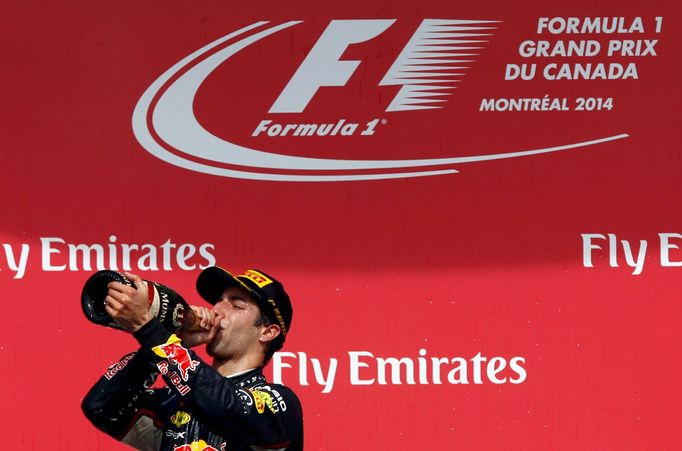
[268, 292]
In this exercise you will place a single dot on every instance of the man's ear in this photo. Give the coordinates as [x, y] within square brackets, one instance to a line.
[269, 333]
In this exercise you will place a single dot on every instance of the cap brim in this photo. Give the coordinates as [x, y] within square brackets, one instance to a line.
[213, 281]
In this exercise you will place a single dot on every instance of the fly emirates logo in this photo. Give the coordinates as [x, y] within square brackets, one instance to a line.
[365, 368]
[423, 76]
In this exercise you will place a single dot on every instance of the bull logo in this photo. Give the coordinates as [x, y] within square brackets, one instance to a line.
[196, 446]
[177, 355]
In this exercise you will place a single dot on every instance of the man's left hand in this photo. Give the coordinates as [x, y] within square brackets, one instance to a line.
[129, 306]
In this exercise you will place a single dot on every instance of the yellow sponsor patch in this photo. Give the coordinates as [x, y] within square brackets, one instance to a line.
[263, 399]
[180, 418]
[256, 277]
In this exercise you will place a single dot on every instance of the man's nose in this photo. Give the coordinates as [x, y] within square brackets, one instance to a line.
[220, 307]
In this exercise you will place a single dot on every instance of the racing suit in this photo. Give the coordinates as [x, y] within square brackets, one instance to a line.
[198, 410]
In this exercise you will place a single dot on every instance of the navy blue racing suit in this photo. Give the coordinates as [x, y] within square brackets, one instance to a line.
[198, 410]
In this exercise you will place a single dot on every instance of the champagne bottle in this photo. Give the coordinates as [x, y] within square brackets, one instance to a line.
[165, 304]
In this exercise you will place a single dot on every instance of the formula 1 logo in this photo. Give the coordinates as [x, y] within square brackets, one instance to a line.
[426, 72]
[435, 56]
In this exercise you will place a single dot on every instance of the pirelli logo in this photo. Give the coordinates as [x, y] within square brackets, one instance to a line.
[257, 278]
[280, 319]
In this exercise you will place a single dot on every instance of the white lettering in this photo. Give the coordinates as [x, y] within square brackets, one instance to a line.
[355, 365]
[19, 267]
[85, 254]
[204, 251]
[395, 365]
[666, 245]
[639, 263]
[588, 246]
[589, 25]
[458, 375]
[495, 366]
[368, 369]
[277, 365]
[47, 251]
[515, 366]
[327, 382]
[322, 66]
[185, 252]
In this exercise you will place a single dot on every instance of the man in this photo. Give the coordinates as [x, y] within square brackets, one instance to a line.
[224, 406]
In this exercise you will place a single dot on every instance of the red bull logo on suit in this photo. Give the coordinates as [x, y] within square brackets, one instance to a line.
[196, 446]
[177, 355]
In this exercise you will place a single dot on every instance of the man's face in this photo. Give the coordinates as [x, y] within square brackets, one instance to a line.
[237, 335]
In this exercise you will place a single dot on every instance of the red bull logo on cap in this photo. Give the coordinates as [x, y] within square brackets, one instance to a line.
[177, 355]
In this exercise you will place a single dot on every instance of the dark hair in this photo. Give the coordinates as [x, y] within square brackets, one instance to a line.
[274, 345]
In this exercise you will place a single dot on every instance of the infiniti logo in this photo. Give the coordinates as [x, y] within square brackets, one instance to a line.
[164, 122]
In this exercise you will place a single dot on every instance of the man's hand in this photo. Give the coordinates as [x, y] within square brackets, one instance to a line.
[129, 306]
[209, 321]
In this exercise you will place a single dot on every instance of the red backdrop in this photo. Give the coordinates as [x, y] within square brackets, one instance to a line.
[543, 289]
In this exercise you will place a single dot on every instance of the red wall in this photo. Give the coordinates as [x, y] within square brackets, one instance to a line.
[545, 284]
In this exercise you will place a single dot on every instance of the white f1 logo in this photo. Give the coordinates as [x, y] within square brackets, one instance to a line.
[427, 65]
[322, 66]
